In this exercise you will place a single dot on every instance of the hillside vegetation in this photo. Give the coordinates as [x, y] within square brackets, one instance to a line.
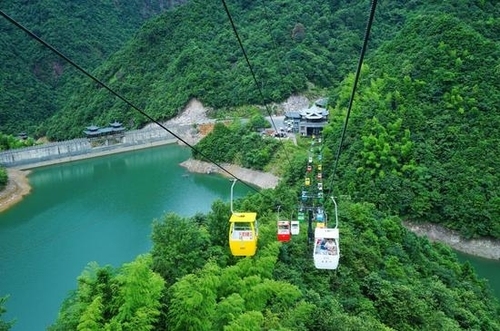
[35, 83]
[421, 144]
[185, 53]
[422, 139]
[389, 279]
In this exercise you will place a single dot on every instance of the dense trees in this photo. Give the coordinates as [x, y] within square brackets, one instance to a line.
[421, 144]
[239, 143]
[4, 326]
[11, 142]
[107, 299]
[420, 139]
[4, 178]
[35, 83]
[424, 115]
[389, 279]
[186, 53]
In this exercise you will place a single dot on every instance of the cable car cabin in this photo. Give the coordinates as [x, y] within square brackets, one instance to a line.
[308, 181]
[284, 233]
[326, 252]
[295, 228]
[320, 215]
[243, 234]
[301, 216]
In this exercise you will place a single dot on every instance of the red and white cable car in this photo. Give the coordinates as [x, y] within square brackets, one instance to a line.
[284, 232]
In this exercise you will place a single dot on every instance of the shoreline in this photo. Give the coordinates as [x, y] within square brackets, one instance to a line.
[260, 179]
[484, 248]
[17, 187]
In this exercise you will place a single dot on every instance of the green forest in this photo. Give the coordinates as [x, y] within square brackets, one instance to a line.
[421, 145]
[35, 83]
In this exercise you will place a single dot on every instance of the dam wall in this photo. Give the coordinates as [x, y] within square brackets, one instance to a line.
[76, 149]
[45, 152]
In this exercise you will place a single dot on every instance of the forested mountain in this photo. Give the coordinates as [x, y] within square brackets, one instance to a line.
[186, 53]
[34, 82]
[423, 139]
[421, 144]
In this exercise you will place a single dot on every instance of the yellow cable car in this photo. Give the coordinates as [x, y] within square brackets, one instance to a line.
[243, 234]
[243, 231]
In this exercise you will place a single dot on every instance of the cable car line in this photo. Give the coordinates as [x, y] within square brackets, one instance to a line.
[356, 79]
[326, 248]
[254, 78]
[119, 96]
[243, 234]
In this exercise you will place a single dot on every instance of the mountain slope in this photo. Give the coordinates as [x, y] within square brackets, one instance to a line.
[423, 139]
[34, 81]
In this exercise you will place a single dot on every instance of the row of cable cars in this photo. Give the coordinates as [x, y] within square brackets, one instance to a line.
[243, 236]
[243, 232]
[326, 249]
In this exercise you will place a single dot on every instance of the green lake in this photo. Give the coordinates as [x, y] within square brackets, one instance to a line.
[97, 209]
[101, 210]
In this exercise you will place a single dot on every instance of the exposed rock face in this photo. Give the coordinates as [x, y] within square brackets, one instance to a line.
[486, 248]
[260, 179]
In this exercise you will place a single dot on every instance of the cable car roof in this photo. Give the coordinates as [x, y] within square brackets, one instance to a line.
[326, 232]
[243, 217]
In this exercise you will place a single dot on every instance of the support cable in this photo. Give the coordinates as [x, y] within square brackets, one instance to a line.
[356, 79]
[254, 78]
[86, 73]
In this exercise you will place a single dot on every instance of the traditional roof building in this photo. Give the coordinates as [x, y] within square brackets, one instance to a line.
[310, 121]
[94, 131]
[111, 134]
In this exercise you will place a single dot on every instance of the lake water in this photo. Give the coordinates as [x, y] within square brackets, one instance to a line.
[101, 210]
[97, 209]
[485, 268]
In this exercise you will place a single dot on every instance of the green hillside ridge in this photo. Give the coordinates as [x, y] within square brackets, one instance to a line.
[421, 144]
[186, 54]
[422, 139]
[35, 83]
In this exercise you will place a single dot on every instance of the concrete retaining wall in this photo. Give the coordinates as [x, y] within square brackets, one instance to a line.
[81, 148]
[46, 152]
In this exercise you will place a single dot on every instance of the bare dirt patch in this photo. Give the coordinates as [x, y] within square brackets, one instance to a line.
[17, 187]
[258, 178]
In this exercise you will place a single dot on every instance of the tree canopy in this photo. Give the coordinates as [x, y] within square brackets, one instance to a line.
[421, 145]
[389, 279]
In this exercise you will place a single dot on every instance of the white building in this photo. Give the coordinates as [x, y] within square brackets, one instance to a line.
[309, 121]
